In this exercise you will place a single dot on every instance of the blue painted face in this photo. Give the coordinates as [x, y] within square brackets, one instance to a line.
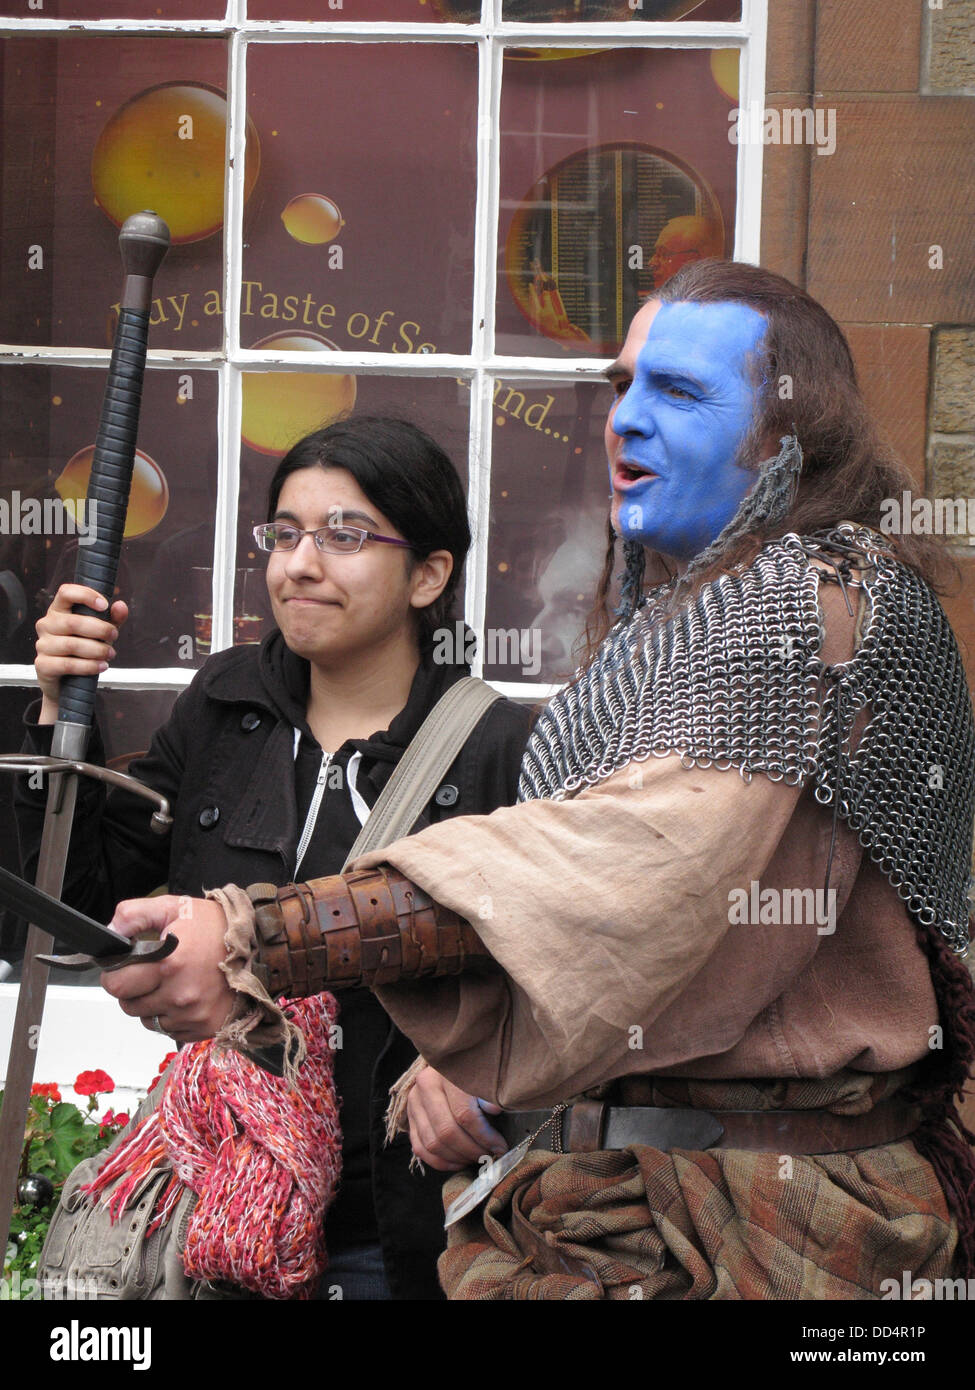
[684, 402]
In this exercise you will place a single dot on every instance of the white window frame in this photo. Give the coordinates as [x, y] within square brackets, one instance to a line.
[482, 366]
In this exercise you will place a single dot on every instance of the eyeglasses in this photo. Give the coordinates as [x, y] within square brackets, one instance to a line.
[333, 540]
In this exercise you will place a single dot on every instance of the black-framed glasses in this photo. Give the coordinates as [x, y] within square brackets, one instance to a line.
[333, 540]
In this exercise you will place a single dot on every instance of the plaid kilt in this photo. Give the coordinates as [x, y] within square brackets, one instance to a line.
[639, 1223]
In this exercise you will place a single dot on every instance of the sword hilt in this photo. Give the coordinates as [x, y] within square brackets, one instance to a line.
[161, 821]
[142, 953]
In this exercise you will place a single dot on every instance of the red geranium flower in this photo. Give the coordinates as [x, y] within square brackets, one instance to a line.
[162, 1067]
[45, 1088]
[110, 1120]
[93, 1083]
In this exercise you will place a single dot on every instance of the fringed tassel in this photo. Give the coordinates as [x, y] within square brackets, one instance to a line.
[144, 1150]
[166, 1204]
[399, 1094]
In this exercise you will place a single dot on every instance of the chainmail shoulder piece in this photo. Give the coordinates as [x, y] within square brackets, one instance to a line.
[732, 678]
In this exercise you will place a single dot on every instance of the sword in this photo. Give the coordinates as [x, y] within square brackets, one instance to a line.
[107, 949]
[143, 241]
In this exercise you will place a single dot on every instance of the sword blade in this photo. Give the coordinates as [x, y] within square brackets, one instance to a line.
[56, 918]
[62, 793]
[58, 817]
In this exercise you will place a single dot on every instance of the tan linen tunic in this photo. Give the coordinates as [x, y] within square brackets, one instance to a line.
[614, 917]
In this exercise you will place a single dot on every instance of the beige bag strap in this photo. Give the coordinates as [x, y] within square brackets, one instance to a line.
[433, 748]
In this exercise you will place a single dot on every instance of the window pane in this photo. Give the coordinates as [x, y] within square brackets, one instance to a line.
[549, 506]
[96, 128]
[48, 422]
[615, 169]
[280, 408]
[605, 11]
[362, 232]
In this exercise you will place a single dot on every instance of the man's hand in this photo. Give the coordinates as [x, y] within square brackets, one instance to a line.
[448, 1129]
[187, 992]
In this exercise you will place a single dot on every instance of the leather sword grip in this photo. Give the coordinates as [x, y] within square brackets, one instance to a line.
[370, 927]
[108, 492]
[143, 241]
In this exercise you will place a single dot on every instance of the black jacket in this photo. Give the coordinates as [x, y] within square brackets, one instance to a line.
[225, 759]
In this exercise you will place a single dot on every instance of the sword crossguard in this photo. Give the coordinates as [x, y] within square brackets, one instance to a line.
[142, 953]
[161, 821]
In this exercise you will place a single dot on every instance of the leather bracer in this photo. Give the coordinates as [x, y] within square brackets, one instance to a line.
[370, 927]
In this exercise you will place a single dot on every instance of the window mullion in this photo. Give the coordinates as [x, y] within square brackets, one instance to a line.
[228, 424]
[751, 93]
[482, 345]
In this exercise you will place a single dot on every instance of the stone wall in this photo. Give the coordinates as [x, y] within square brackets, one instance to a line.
[882, 230]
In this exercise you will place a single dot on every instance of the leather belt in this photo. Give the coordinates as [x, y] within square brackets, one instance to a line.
[591, 1125]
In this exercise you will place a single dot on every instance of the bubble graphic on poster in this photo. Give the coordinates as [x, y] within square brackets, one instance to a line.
[148, 499]
[312, 219]
[166, 150]
[724, 70]
[279, 408]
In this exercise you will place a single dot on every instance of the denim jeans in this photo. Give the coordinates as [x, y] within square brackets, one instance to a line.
[355, 1272]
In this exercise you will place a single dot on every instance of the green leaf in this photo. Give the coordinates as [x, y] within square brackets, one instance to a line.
[68, 1136]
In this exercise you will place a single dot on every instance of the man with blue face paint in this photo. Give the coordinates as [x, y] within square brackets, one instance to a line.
[685, 398]
[709, 964]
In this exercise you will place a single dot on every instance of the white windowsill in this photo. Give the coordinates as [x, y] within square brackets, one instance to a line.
[85, 1030]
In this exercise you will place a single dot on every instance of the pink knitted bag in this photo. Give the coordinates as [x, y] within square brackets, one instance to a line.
[262, 1155]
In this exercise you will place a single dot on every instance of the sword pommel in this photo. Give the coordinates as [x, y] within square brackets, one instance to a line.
[143, 242]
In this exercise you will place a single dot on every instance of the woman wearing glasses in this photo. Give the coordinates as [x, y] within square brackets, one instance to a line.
[274, 755]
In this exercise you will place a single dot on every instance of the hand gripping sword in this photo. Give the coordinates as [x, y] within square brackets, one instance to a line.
[144, 240]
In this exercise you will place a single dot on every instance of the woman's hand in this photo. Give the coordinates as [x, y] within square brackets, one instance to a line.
[187, 993]
[69, 644]
[448, 1128]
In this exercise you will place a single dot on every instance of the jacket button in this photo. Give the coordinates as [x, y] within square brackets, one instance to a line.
[446, 795]
[250, 721]
[209, 817]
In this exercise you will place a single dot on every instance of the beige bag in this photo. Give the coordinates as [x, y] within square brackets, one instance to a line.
[86, 1256]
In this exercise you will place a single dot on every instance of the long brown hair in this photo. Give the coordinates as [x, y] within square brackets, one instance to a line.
[805, 384]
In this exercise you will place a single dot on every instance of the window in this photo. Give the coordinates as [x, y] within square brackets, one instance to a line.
[424, 212]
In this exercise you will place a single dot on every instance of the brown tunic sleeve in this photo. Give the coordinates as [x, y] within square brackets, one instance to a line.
[633, 936]
[601, 911]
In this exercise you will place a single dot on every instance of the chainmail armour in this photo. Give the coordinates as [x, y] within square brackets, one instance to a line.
[732, 678]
